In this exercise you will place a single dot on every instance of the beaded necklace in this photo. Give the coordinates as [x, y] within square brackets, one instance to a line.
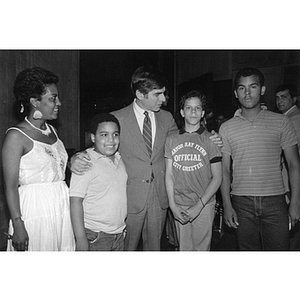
[46, 131]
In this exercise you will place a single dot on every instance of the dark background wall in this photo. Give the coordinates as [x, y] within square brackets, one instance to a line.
[105, 76]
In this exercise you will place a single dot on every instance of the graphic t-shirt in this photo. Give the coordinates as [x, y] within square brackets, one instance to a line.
[191, 154]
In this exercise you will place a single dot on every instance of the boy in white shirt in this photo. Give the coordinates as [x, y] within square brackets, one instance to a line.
[98, 197]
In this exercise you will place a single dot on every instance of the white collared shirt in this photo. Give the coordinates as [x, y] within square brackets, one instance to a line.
[139, 114]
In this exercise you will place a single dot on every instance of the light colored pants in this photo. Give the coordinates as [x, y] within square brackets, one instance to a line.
[148, 224]
[196, 236]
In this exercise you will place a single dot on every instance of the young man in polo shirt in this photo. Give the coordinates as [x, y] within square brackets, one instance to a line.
[253, 139]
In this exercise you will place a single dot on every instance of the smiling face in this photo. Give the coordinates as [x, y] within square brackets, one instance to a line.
[49, 103]
[152, 101]
[249, 91]
[106, 139]
[192, 113]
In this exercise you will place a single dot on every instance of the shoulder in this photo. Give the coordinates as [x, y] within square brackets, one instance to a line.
[173, 135]
[206, 136]
[16, 142]
[123, 112]
[274, 115]
[164, 114]
[230, 123]
[166, 121]
[295, 113]
[93, 154]
[206, 133]
[276, 119]
[16, 133]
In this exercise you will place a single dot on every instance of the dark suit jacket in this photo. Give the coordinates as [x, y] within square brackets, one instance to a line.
[138, 163]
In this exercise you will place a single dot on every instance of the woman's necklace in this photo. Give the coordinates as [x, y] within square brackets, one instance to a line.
[46, 131]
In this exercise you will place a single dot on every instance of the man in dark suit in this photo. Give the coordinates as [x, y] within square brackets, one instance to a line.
[146, 192]
[147, 200]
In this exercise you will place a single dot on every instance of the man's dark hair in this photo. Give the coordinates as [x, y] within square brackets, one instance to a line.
[290, 87]
[145, 79]
[101, 118]
[193, 94]
[246, 72]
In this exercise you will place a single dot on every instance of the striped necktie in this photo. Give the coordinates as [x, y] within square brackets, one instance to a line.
[147, 132]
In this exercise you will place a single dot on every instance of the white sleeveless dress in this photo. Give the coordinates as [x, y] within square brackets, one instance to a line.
[44, 197]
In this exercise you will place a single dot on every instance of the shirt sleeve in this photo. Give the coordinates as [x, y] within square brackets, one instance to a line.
[215, 154]
[288, 134]
[168, 153]
[79, 184]
[226, 146]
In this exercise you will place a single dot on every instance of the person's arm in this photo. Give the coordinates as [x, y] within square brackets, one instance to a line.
[178, 213]
[293, 164]
[12, 152]
[216, 170]
[230, 216]
[77, 218]
[79, 163]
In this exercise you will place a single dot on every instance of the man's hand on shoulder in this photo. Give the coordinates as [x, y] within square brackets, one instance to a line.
[80, 163]
[216, 138]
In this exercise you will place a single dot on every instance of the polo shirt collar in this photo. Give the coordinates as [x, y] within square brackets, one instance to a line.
[199, 131]
[95, 155]
[238, 113]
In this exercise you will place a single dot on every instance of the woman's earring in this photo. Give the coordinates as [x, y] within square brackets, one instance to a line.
[22, 108]
[37, 115]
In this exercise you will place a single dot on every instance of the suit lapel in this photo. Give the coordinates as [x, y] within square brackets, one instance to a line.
[134, 129]
[159, 131]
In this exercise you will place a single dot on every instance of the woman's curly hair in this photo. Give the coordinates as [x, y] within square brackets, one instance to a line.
[31, 83]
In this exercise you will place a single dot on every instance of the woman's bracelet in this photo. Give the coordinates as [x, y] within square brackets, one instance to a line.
[18, 218]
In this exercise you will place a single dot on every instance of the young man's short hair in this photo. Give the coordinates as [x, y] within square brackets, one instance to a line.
[193, 94]
[246, 72]
[145, 79]
[290, 87]
[101, 118]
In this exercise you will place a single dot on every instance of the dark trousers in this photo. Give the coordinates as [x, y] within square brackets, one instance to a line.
[101, 241]
[263, 222]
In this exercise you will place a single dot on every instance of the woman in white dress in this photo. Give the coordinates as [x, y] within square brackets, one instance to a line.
[34, 163]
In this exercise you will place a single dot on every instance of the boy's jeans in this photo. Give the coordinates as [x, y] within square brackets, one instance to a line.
[263, 222]
[101, 241]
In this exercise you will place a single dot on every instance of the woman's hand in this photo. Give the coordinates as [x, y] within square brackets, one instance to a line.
[82, 244]
[20, 237]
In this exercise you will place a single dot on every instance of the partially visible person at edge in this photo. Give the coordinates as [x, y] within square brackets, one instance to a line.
[98, 198]
[34, 162]
[254, 139]
[286, 99]
[146, 191]
[193, 175]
